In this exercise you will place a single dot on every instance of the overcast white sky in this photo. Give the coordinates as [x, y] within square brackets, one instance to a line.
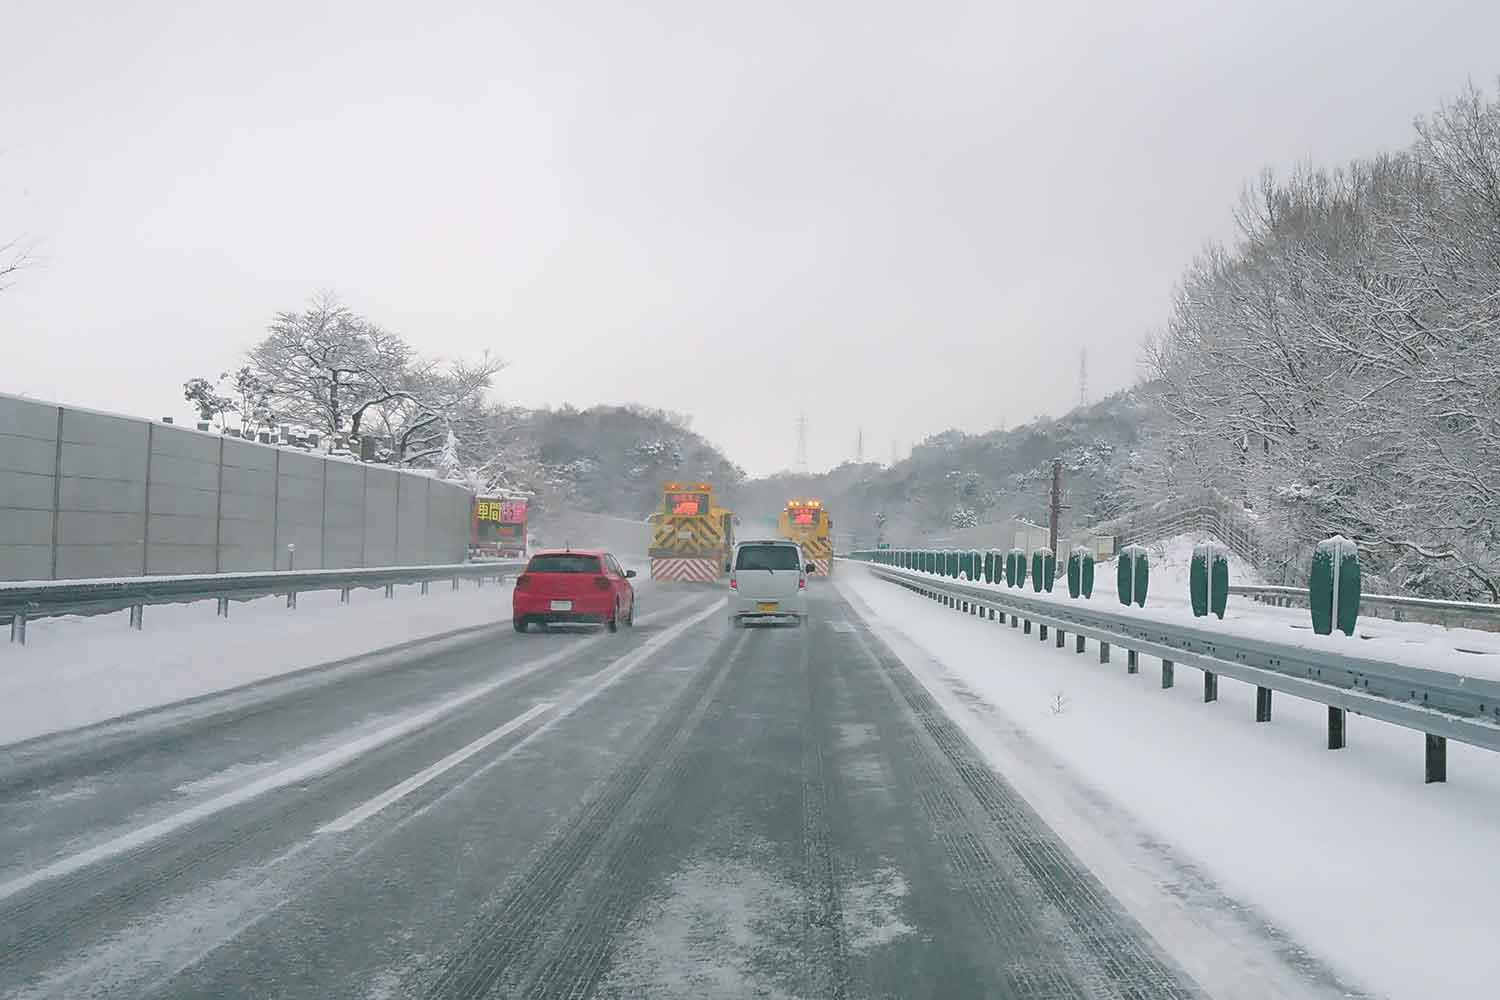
[896, 217]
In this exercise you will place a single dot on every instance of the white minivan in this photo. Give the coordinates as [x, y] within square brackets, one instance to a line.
[768, 582]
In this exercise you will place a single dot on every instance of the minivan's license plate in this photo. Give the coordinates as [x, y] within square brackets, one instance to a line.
[766, 607]
[562, 605]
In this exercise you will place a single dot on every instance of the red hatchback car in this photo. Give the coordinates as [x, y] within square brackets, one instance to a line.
[576, 587]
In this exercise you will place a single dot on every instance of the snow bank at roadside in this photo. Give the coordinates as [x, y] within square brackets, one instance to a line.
[1388, 881]
[76, 671]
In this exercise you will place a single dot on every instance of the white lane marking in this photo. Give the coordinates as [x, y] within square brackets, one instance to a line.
[606, 678]
[311, 768]
[359, 814]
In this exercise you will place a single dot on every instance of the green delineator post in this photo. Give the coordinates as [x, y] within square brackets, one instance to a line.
[1208, 580]
[1132, 575]
[1218, 582]
[1198, 579]
[1333, 588]
[1080, 572]
[1043, 569]
[1018, 559]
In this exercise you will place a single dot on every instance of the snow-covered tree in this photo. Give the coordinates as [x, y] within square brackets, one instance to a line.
[1338, 369]
[338, 372]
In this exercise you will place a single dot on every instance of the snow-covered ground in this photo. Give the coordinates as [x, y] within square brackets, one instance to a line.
[1187, 811]
[75, 671]
[1172, 558]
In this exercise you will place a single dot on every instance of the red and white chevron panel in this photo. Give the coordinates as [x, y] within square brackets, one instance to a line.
[684, 569]
[824, 565]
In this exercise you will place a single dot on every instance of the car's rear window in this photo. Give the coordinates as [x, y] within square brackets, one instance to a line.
[564, 563]
[774, 557]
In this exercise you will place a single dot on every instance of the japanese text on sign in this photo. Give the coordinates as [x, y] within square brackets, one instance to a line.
[510, 511]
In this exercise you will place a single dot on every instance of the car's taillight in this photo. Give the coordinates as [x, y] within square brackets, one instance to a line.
[801, 583]
[522, 582]
[601, 582]
[733, 585]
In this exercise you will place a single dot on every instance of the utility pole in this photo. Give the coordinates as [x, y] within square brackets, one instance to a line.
[859, 447]
[1083, 376]
[1057, 505]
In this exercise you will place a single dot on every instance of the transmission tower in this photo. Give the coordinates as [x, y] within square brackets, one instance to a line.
[801, 465]
[1083, 376]
[859, 447]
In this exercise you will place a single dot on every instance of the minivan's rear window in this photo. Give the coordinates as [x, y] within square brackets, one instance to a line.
[563, 563]
[774, 557]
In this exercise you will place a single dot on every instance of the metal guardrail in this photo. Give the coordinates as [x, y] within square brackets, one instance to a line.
[1439, 704]
[21, 602]
[1467, 614]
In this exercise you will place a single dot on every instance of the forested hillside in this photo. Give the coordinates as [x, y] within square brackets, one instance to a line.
[954, 480]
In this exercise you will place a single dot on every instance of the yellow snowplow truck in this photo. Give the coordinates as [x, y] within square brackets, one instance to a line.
[807, 523]
[691, 538]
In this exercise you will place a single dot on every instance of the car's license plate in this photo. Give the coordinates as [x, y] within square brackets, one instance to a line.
[562, 605]
[766, 607]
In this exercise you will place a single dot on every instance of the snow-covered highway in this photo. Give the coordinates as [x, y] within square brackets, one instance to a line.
[897, 800]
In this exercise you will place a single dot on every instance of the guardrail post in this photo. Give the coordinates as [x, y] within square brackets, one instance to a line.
[390, 591]
[1336, 740]
[291, 598]
[344, 595]
[1132, 662]
[1262, 704]
[223, 609]
[1437, 758]
[1061, 638]
[1026, 628]
[1043, 630]
[424, 587]
[455, 581]
[18, 628]
[1103, 652]
[1210, 686]
[1015, 620]
[1078, 642]
[137, 614]
[1167, 678]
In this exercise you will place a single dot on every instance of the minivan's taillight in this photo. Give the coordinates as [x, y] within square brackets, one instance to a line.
[522, 582]
[601, 583]
[802, 583]
[733, 584]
